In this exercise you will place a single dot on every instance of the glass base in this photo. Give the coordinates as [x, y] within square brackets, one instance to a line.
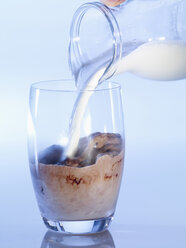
[79, 227]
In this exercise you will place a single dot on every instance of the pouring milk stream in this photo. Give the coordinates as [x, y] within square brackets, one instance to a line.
[153, 52]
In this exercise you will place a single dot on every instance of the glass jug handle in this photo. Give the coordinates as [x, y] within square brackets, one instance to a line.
[79, 54]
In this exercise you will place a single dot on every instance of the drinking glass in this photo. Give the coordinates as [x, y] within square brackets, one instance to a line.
[76, 193]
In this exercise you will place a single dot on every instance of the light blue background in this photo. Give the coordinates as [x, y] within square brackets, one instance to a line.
[34, 39]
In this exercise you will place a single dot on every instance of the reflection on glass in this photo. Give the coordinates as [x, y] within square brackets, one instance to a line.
[59, 240]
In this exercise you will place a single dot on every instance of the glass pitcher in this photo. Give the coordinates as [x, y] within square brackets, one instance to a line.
[145, 37]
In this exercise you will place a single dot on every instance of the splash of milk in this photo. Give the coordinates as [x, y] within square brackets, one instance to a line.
[80, 107]
[153, 60]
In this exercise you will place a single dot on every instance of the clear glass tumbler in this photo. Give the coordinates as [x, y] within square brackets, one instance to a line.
[76, 194]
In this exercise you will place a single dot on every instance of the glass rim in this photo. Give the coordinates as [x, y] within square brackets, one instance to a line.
[40, 86]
